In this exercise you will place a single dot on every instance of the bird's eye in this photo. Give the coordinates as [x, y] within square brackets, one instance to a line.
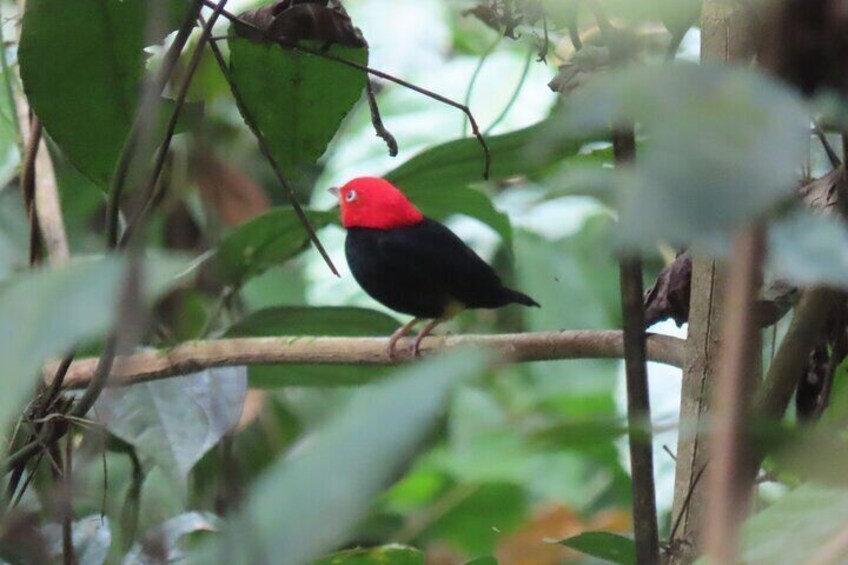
[350, 196]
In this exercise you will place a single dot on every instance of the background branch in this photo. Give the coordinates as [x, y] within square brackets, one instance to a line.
[198, 355]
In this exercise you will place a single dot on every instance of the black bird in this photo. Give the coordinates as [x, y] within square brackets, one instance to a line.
[411, 263]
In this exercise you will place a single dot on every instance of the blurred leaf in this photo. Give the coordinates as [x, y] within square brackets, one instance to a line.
[386, 555]
[796, 527]
[438, 179]
[604, 545]
[581, 434]
[86, 99]
[163, 543]
[697, 120]
[92, 537]
[296, 99]
[483, 561]
[807, 249]
[175, 421]
[46, 312]
[314, 321]
[308, 503]
[479, 517]
[235, 197]
[263, 242]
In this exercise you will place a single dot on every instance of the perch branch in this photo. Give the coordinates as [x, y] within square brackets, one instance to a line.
[197, 355]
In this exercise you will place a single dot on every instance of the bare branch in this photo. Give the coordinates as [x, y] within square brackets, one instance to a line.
[737, 377]
[198, 355]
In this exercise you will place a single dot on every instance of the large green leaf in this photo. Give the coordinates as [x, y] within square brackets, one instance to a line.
[309, 503]
[263, 242]
[82, 64]
[45, 313]
[604, 545]
[385, 555]
[722, 145]
[795, 528]
[438, 179]
[313, 321]
[297, 100]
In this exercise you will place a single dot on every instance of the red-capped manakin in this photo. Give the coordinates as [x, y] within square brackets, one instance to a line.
[411, 263]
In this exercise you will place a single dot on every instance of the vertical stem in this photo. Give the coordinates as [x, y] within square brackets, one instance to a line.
[736, 380]
[68, 557]
[638, 400]
[725, 37]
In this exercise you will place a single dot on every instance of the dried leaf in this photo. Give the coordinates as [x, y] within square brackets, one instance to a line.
[232, 194]
[298, 20]
[669, 297]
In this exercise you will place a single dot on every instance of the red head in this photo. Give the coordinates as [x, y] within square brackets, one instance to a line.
[371, 202]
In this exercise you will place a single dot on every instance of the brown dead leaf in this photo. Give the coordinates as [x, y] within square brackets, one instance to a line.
[297, 20]
[234, 196]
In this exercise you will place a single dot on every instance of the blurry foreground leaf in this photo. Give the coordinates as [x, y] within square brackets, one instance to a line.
[388, 554]
[604, 545]
[807, 248]
[175, 421]
[46, 312]
[308, 503]
[313, 321]
[795, 528]
[722, 146]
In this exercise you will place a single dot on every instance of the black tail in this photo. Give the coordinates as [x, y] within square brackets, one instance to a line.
[521, 298]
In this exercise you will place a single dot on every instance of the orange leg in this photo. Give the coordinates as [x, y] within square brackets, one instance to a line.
[399, 333]
[425, 331]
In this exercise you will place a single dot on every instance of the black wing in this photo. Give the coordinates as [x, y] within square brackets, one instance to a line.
[423, 270]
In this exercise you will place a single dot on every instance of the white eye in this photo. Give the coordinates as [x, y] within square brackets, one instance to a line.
[350, 196]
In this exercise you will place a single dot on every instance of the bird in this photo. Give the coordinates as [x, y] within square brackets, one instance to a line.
[411, 263]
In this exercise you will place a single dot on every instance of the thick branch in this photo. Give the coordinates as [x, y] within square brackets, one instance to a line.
[197, 355]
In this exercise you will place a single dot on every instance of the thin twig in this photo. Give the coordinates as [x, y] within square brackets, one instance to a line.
[366, 69]
[737, 376]
[68, 557]
[193, 356]
[153, 90]
[269, 156]
[377, 120]
[834, 159]
[645, 528]
[33, 143]
[171, 128]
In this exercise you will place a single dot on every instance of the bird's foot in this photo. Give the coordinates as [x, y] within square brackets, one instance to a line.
[399, 333]
[425, 331]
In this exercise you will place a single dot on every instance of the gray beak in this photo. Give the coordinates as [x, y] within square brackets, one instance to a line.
[334, 191]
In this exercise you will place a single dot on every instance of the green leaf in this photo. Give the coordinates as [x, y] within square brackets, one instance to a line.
[438, 179]
[297, 100]
[264, 242]
[604, 545]
[809, 249]
[44, 313]
[310, 502]
[82, 65]
[483, 561]
[486, 513]
[313, 321]
[722, 145]
[795, 528]
[385, 555]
